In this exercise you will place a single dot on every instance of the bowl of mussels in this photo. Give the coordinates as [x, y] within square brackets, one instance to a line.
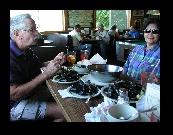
[113, 91]
[83, 90]
[66, 76]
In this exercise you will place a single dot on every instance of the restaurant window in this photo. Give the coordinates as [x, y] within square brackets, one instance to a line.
[46, 20]
[120, 18]
[102, 17]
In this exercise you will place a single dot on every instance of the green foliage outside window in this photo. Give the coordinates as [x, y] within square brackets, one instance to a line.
[102, 16]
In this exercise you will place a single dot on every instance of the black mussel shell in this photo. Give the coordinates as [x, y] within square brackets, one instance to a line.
[133, 89]
[111, 92]
[84, 88]
[67, 76]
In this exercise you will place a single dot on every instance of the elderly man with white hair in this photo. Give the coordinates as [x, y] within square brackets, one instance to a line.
[104, 36]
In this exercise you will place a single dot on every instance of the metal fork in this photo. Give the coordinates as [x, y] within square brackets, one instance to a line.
[90, 96]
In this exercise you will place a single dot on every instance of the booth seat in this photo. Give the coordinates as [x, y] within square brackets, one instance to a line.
[46, 53]
[61, 42]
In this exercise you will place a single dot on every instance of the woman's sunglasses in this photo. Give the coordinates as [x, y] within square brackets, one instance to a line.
[153, 31]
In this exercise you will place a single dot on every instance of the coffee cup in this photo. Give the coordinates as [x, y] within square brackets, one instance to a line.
[121, 110]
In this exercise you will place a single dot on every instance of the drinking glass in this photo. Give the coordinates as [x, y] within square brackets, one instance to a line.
[71, 57]
[147, 75]
[84, 54]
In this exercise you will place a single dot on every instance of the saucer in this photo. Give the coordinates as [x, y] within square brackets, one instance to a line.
[103, 119]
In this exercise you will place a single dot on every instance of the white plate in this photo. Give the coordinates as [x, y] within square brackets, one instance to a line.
[82, 97]
[102, 92]
[57, 81]
[89, 77]
[83, 73]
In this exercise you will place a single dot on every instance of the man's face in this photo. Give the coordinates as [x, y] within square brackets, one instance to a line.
[30, 34]
[78, 29]
[99, 28]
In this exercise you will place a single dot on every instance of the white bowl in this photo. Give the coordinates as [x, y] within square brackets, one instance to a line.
[81, 69]
[122, 110]
[104, 72]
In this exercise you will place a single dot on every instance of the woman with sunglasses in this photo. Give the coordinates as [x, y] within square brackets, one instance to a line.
[147, 55]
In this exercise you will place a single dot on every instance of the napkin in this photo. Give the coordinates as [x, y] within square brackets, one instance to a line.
[97, 59]
[94, 115]
[64, 93]
[84, 62]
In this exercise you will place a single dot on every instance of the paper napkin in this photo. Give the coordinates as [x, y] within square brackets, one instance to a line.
[96, 112]
[84, 62]
[97, 59]
[64, 93]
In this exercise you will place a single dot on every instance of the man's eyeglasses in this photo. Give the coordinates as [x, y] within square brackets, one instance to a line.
[153, 31]
[31, 30]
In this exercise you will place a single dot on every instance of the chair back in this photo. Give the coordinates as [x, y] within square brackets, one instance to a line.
[46, 53]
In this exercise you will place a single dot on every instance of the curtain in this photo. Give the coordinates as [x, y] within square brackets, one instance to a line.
[128, 13]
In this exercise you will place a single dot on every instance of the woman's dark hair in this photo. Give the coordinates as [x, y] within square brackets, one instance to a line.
[153, 20]
[113, 27]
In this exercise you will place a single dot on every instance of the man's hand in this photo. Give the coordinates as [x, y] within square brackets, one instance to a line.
[52, 68]
[61, 57]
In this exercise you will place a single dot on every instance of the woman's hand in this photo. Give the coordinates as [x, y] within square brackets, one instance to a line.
[156, 80]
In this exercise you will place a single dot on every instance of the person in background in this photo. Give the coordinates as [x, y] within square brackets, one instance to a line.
[143, 55]
[114, 36]
[133, 33]
[30, 99]
[78, 37]
[113, 31]
[102, 35]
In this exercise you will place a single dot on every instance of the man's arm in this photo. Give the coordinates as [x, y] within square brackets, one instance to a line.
[18, 91]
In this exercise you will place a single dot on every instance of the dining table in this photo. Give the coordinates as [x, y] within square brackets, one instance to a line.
[91, 41]
[72, 108]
